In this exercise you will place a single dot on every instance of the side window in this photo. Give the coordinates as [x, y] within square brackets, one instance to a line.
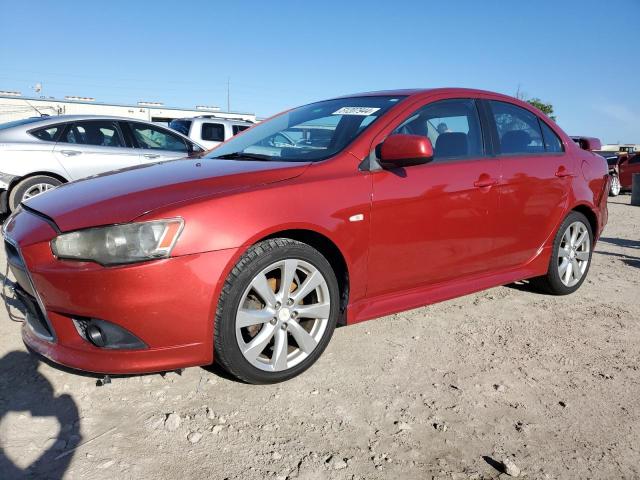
[238, 128]
[552, 142]
[518, 129]
[48, 134]
[213, 132]
[452, 126]
[635, 159]
[153, 138]
[99, 133]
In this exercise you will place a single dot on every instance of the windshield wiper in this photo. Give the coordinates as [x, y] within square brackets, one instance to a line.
[242, 155]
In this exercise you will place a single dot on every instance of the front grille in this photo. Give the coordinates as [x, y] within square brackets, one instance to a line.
[81, 327]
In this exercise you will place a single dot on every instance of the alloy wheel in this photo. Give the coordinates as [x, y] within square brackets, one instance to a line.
[36, 189]
[614, 189]
[282, 315]
[574, 253]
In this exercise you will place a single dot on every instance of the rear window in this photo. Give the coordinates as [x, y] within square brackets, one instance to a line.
[48, 134]
[181, 126]
[239, 128]
[518, 129]
[213, 132]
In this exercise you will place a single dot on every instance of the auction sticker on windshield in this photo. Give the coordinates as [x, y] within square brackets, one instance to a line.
[364, 111]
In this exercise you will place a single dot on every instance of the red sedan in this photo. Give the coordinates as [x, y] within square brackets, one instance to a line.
[332, 213]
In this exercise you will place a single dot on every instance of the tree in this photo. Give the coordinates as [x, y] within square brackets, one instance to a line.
[546, 108]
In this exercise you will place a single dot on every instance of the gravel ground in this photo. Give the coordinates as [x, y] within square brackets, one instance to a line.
[547, 385]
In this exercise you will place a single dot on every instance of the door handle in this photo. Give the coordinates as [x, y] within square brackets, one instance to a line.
[563, 172]
[151, 155]
[70, 153]
[485, 182]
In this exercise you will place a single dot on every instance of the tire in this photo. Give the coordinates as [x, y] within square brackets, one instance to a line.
[280, 349]
[28, 186]
[555, 281]
[615, 187]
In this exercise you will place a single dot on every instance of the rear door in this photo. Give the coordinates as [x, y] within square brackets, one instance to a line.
[157, 143]
[435, 222]
[536, 180]
[94, 146]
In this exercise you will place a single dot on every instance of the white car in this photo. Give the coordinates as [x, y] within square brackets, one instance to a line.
[40, 153]
[208, 130]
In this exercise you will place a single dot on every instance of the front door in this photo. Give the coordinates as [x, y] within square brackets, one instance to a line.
[157, 144]
[435, 222]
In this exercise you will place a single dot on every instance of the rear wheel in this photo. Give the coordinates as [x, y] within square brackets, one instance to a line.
[571, 256]
[277, 312]
[615, 187]
[31, 187]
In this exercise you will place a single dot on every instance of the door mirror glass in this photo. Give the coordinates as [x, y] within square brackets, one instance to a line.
[403, 150]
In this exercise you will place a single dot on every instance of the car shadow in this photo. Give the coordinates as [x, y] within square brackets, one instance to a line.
[25, 390]
[621, 242]
[526, 286]
[626, 259]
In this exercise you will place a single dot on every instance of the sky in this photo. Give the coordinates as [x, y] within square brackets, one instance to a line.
[582, 56]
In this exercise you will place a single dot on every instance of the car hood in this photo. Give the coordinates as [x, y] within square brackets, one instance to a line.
[121, 196]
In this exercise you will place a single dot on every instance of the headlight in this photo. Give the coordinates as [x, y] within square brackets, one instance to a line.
[118, 244]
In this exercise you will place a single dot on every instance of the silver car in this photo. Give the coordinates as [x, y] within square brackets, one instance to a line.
[37, 154]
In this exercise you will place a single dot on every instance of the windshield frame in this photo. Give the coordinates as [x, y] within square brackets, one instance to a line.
[229, 149]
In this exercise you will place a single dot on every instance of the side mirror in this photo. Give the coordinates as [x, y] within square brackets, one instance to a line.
[405, 150]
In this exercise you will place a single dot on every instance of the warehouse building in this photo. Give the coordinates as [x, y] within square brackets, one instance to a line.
[14, 106]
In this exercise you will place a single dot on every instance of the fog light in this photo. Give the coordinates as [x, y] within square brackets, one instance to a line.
[96, 336]
[103, 334]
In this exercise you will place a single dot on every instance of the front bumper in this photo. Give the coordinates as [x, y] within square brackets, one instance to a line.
[169, 304]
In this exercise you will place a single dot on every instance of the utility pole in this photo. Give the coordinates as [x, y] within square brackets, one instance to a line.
[228, 95]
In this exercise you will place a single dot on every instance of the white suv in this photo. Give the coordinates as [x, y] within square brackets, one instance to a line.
[40, 153]
[209, 130]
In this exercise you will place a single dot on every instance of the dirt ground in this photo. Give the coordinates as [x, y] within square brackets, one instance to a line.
[444, 391]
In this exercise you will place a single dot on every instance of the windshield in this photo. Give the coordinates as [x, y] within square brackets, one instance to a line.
[309, 133]
[181, 126]
[17, 123]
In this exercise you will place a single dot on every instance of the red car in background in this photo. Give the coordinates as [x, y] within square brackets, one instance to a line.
[252, 255]
[622, 165]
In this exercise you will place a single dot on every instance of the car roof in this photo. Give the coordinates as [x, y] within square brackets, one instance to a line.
[415, 92]
[71, 118]
[22, 129]
[208, 118]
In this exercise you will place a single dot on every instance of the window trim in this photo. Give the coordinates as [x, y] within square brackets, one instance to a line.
[496, 136]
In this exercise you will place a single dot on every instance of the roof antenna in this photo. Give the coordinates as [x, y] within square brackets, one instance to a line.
[36, 88]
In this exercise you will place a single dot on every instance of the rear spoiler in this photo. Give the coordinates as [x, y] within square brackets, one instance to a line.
[588, 143]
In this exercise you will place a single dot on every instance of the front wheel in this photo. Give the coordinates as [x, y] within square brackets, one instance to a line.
[31, 187]
[571, 256]
[277, 312]
[614, 189]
